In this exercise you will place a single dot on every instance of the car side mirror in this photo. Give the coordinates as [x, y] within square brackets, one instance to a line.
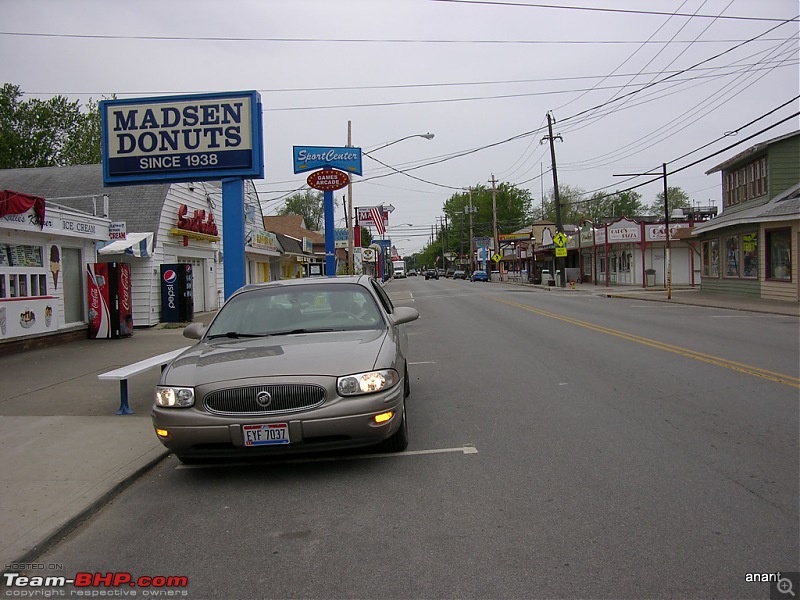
[194, 331]
[404, 314]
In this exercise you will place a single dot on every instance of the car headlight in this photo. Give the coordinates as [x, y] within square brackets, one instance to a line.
[366, 383]
[174, 397]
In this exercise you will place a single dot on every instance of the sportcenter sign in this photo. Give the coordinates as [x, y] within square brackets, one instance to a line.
[182, 138]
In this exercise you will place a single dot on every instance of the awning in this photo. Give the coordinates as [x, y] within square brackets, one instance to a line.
[135, 244]
[16, 203]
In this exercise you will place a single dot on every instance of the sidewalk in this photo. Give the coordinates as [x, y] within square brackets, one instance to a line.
[66, 453]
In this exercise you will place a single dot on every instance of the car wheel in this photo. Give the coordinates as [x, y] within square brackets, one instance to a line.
[399, 440]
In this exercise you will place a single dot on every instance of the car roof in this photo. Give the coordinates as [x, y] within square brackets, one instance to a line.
[338, 280]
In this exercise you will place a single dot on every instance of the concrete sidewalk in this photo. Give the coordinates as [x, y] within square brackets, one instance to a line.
[66, 453]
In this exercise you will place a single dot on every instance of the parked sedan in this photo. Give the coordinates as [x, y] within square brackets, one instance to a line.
[459, 275]
[479, 276]
[290, 366]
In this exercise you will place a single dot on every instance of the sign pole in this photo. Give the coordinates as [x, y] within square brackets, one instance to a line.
[233, 239]
[330, 234]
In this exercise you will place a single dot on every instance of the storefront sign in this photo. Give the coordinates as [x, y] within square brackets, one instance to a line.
[182, 138]
[265, 240]
[117, 230]
[657, 233]
[60, 222]
[624, 231]
[310, 158]
[328, 179]
[198, 222]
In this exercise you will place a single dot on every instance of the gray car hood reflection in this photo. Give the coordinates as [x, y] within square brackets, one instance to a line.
[336, 353]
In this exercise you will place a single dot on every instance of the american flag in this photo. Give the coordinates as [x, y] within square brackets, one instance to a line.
[376, 212]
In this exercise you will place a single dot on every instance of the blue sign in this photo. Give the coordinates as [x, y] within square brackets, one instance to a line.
[182, 138]
[310, 158]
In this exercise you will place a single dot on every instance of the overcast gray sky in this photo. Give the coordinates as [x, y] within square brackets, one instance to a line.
[632, 84]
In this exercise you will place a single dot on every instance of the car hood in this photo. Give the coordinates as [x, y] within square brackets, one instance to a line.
[333, 354]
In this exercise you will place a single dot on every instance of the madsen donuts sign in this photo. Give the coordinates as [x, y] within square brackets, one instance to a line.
[182, 138]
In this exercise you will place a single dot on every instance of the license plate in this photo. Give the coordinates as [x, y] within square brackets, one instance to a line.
[266, 435]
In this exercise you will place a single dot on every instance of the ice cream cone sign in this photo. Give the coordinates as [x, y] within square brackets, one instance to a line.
[55, 264]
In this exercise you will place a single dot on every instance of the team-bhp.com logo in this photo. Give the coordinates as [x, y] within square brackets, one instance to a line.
[154, 586]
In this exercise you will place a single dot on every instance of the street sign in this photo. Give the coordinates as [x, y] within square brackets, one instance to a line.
[496, 258]
[561, 252]
[560, 240]
[450, 255]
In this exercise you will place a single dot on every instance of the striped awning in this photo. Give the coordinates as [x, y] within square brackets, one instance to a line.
[134, 244]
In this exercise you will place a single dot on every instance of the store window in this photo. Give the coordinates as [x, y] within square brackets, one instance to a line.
[732, 256]
[750, 255]
[711, 258]
[779, 254]
[22, 272]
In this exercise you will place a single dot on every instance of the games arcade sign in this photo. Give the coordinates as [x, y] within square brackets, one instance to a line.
[182, 138]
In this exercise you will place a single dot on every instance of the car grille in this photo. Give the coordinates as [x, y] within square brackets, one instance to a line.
[282, 399]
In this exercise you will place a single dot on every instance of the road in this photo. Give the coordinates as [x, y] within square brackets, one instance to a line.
[562, 445]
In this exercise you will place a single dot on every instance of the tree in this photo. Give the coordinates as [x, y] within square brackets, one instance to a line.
[44, 133]
[310, 205]
[676, 198]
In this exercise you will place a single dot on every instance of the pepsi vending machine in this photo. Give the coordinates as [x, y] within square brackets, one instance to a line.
[110, 307]
[177, 297]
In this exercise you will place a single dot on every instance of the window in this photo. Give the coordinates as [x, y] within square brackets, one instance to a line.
[750, 255]
[711, 258]
[22, 271]
[732, 256]
[779, 254]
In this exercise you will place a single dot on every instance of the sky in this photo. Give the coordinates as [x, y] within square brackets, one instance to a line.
[630, 85]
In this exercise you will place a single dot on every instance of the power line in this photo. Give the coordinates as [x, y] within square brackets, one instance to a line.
[607, 10]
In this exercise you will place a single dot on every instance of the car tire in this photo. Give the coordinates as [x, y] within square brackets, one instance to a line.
[399, 439]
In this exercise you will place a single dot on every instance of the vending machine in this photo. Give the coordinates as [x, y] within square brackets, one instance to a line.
[177, 295]
[110, 306]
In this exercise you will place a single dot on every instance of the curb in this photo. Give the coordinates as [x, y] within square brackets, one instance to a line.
[89, 510]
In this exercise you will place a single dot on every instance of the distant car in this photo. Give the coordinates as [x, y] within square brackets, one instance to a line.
[479, 276]
[299, 365]
[412, 273]
[459, 275]
[441, 273]
[431, 274]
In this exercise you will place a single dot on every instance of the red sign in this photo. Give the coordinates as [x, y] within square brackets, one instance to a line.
[198, 223]
[328, 180]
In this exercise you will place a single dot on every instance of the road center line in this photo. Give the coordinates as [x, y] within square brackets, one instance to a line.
[714, 360]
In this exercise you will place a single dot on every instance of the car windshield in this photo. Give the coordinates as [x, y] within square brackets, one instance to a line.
[284, 310]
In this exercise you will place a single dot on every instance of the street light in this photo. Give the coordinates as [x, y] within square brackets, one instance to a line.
[427, 136]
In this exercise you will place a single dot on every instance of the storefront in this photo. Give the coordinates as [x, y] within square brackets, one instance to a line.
[43, 257]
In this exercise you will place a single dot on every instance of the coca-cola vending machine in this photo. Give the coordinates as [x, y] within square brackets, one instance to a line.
[177, 296]
[110, 307]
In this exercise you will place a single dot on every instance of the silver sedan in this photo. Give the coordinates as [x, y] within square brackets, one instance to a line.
[300, 365]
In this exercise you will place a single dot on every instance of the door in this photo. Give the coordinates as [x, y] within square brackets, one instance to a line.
[73, 276]
[199, 282]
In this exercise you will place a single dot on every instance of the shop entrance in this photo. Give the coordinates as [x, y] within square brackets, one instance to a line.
[199, 282]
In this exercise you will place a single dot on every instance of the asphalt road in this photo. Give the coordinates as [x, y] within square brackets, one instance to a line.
[563, 445]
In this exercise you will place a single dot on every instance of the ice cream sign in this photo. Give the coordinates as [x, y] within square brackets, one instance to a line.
[182, 138]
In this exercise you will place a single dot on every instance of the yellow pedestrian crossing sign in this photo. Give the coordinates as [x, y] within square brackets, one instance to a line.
[560, 240]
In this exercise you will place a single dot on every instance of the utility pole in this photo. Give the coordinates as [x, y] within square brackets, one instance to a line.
[471, 210]
[350, 267]
[556, 197]
[666, 227]
[494, 221]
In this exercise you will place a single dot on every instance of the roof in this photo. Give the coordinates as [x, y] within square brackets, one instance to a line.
[292, 225]
[752, 150]
[783, 207]
[73, 187]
